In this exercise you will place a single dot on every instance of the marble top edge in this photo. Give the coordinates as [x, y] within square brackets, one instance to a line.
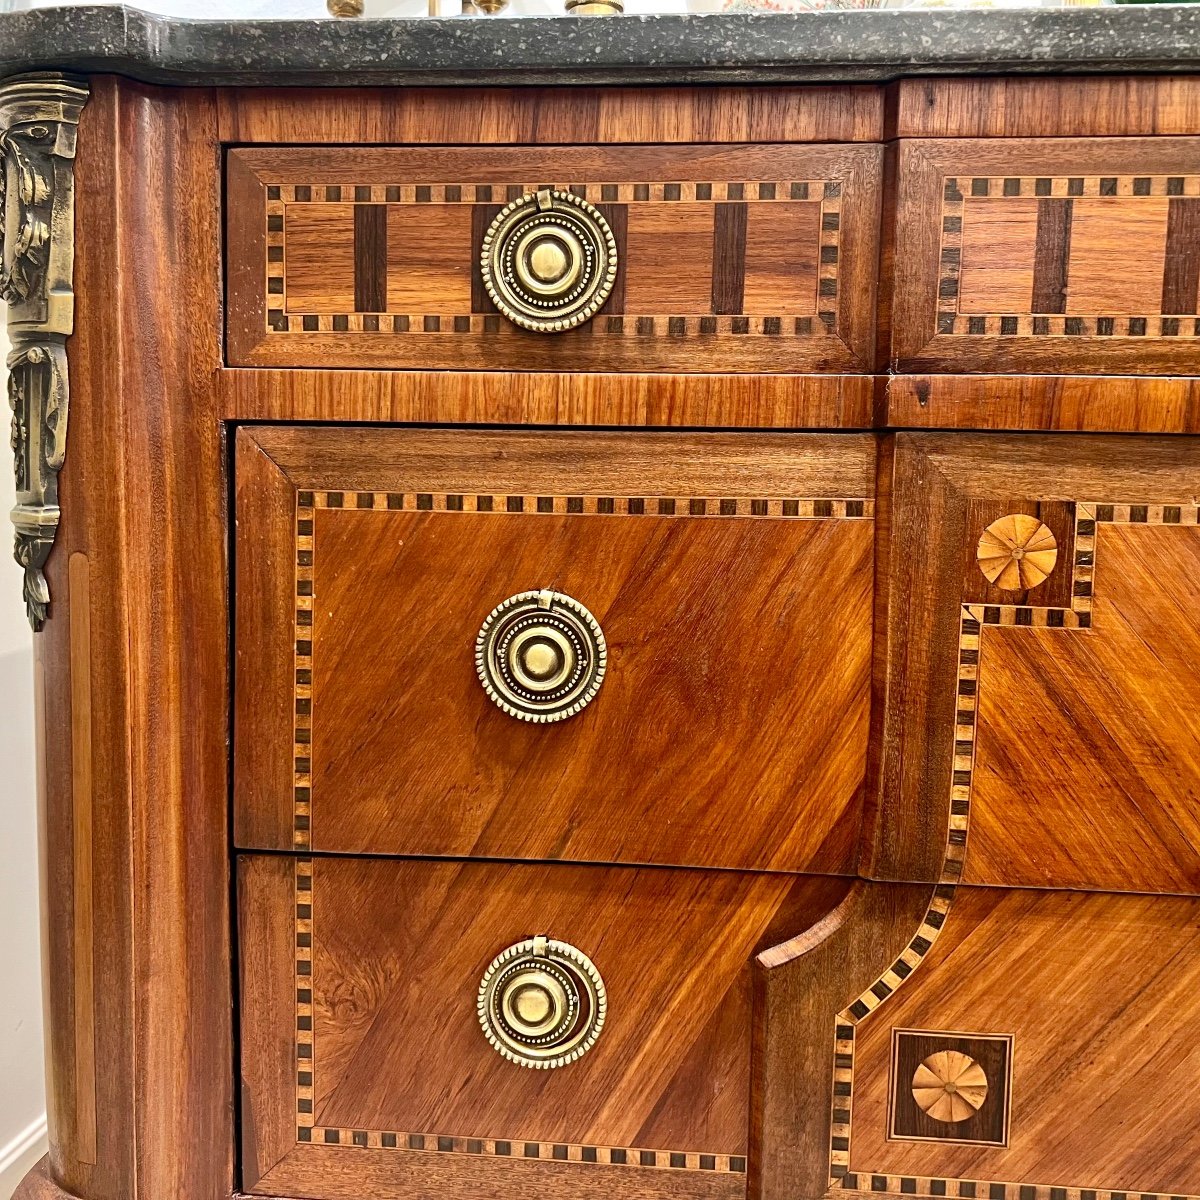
[876, 45]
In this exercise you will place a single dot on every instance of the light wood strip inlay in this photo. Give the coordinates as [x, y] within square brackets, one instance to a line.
[79, 578]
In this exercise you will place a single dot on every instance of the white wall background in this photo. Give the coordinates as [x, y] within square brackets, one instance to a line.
[22, 1095]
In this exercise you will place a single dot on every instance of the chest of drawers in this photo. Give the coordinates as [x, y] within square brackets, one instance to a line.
[607, 641]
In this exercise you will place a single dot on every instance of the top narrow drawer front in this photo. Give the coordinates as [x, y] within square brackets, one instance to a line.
[1048, 255]
[743, 258]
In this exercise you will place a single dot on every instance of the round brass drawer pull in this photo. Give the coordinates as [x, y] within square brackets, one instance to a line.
[549, 261]
[542, 1003]
[541, 656]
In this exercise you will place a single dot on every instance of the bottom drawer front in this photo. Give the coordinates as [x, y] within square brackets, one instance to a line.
[376, 965]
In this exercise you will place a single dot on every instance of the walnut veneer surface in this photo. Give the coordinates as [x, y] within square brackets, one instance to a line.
[873, 469]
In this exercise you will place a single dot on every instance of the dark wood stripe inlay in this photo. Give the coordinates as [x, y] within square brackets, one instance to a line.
[1181, 279]
[370, 258]
[1051, 256]
[617, 216]
[729, 258]
[482, 215]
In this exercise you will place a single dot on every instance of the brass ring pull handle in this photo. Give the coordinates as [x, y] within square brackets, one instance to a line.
[541, 656]
[542, 1003]
[549, 261]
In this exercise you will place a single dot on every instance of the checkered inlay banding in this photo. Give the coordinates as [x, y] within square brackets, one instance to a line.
[619, 506]
[828, 273]
[302, 708]
[502, 192]
[614, 326]
[280, 318]
[958, 192]
[304, 996]
[307, 504]
[430, 1143]
[973, 619]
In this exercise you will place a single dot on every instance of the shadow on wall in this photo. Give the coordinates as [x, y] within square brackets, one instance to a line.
[22, 1099]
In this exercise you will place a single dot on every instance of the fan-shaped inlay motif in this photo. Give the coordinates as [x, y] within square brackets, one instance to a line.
[1017, 552]
[949, 1086]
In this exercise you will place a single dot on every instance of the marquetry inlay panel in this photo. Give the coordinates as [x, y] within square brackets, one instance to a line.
[796, 527]
[760, 257]
[739, 251]
[1079, 256]
[1047, 256]
[1071, 611]
[949, 1087]
[310, 1130]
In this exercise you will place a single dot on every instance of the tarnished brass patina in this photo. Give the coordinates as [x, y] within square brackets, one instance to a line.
[549, 261]
[541, 656]
[542, 1003]
[38, 120]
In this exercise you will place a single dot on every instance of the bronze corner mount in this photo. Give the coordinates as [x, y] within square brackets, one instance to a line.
[39, 115]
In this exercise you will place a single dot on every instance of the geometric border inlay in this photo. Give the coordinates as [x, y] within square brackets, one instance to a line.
[307, 503]
[955, 192]
[974, 617]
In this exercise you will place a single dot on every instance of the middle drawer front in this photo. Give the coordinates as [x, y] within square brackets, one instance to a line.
[706, 600]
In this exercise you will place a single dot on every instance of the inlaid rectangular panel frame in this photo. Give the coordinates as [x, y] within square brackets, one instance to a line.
[1040, 183]
[712, 204]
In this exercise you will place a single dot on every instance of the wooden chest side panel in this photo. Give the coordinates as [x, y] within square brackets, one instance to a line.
[341, 257]
[1069, 257]
[1097, 994]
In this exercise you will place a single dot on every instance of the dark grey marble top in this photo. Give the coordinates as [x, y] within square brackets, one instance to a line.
[767, 48]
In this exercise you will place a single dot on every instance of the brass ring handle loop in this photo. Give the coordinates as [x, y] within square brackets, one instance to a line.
[542, 1003]
[541, 656]
[549, 261]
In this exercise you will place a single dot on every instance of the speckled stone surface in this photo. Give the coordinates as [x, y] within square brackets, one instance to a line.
[768, 48]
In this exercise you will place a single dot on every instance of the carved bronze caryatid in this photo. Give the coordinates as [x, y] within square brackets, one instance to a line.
[38, 120]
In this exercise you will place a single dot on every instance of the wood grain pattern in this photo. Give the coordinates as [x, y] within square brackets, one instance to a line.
[1094, 261]
[670, 1072]
[939, 488]
[551, 116]
[1109, 1035]
[759, 401]
[1086, 763]
[82, 874]
[687, 212]
[1066, 107]
[379, 726]
[1081, 403]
